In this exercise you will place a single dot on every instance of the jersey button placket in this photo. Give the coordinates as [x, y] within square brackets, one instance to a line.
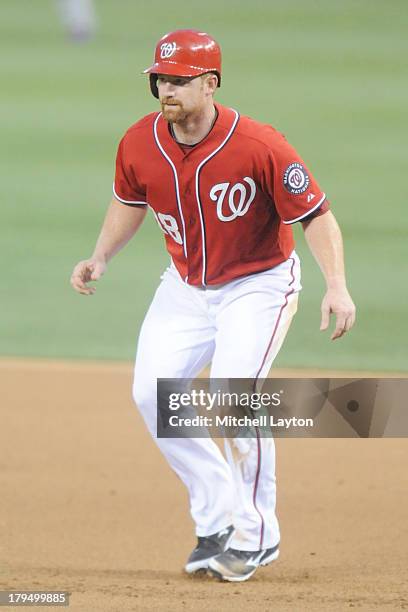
[185, 193]
[194, 237]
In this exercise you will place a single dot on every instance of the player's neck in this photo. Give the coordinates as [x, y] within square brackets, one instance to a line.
[195, 127]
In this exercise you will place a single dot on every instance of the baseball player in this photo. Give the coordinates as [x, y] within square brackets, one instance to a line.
[225, 191]
[79, 18]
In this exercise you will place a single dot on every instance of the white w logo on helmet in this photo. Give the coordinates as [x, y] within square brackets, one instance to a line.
[238, 208]
[167, 50]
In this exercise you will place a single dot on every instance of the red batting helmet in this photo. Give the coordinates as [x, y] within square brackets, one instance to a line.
[186, 53]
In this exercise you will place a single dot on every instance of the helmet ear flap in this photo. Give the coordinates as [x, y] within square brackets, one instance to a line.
[153, 85]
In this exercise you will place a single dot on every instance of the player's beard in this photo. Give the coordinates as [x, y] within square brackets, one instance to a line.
[173, 111]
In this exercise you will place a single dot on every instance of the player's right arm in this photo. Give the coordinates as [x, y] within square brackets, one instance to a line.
[120, 225]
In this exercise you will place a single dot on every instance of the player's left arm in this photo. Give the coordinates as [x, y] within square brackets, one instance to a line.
[324, 239]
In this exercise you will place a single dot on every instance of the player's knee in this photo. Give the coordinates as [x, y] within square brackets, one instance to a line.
[142, 394]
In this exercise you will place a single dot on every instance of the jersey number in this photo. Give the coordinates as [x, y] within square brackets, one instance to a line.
[169, 226]
[239, 200]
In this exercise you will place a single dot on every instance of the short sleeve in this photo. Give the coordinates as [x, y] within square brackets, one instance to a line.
[125, 187]
[290, 183]
[319, 211]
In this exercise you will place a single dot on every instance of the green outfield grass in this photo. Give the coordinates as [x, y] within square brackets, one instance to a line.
[331, 75]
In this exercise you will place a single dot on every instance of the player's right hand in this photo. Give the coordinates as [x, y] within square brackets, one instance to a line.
[86, 271]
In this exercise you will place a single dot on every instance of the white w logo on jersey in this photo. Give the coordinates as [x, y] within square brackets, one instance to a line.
[237, 206]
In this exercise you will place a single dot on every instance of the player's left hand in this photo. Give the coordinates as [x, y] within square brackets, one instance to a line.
[337, 301]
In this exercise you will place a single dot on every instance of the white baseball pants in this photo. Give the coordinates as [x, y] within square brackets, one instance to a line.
[239, 327]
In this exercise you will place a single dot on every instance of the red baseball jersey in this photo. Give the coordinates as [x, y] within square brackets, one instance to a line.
[225, 205]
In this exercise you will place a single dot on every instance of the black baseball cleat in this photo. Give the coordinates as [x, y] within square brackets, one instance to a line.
[239, 565]
[207, 548]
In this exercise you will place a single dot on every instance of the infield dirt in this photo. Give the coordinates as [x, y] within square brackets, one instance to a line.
[88, 505]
